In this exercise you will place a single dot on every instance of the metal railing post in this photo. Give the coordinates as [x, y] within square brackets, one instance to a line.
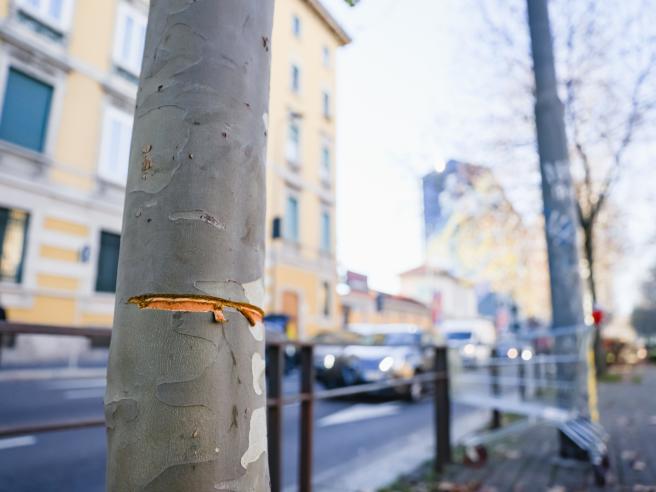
[537, 374]
[495, 423]
[274, 420]
[521, 374]
[307, 419]
[442, 409]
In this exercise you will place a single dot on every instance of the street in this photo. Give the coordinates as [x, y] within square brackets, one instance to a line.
[345, 430]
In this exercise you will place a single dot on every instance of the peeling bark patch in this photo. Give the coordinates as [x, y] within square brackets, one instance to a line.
[147, 163]
[257, 437]
[257, 330]
[206, 333]
[188, 393]
[191, 303]
[124, 409]
[257, 365]
[198, 215]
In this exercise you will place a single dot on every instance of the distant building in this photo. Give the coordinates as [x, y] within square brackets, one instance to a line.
[473, 232]
[364, 305]
[68, 84]
[448, 296]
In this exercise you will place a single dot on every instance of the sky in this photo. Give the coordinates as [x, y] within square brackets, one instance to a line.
[404, 106]
[391, 91]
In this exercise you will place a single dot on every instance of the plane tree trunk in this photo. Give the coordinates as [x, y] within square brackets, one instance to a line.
[185, 404]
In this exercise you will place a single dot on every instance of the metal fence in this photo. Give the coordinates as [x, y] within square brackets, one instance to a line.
[437, 380]
[545, 374]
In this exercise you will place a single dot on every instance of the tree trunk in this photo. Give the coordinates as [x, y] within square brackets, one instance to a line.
[588, 248]
[185, 403]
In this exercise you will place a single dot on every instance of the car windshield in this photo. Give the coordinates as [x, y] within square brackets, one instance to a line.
[459, 335]
[397, 339]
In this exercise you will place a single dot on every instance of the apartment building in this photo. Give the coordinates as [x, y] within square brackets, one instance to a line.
[68, 81]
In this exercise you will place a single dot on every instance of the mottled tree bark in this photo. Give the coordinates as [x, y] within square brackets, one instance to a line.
[185, 403]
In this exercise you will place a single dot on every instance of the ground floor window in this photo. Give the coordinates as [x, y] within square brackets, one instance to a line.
[107, 262]
[13, 241]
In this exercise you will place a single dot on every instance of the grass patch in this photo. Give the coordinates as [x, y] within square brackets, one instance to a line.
[610, 378]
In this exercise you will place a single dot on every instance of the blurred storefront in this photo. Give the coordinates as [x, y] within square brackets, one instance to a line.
[364, 305]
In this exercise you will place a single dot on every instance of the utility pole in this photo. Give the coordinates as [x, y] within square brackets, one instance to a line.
[559, 206]
[185, 404]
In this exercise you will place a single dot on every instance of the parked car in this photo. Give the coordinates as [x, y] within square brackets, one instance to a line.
[382, 352]
[328, 349]
[472, 338]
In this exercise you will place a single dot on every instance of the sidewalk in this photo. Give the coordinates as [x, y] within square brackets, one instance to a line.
[523, 461]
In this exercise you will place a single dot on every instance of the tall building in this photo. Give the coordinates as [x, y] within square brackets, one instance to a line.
[301, 264]
[68, 81]
[473, 232]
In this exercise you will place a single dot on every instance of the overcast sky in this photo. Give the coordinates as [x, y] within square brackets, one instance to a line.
[402, 101]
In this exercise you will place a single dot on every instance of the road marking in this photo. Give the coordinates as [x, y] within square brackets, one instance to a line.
[84, 393]
[361, 411]
[81, 383]
[17, 442]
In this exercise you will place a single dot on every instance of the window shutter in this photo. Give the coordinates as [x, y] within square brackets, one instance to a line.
[108, 262]
[25, 111]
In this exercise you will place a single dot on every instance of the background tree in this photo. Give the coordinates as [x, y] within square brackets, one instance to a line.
[605, 57]
[185, 403]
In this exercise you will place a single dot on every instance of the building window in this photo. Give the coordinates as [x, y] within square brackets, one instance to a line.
[293, 142]
[325, 104]
[51, 14]
[325, 162]
[129, 40]
[291, 219]
[115, 146]
[295, 78]
[325, 52]
[25, 111]
[327, 299]
[325, 232]
[107, 262]
[296, 26]
[13, 239]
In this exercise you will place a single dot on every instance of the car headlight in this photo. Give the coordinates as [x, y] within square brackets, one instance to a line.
[527, 354]
[386, 364]
[329, 361]
[512, 353]
[469, 349]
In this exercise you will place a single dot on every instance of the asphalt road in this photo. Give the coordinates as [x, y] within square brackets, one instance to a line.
[74, 460]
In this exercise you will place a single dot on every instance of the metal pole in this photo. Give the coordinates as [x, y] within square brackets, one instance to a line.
[496, 390]
[521, 374]
[274, 420]
[561, 223]
[442, 410]
[307, 419]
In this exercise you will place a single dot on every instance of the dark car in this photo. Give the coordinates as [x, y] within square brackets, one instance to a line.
[382, 352]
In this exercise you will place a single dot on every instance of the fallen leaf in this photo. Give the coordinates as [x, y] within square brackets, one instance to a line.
[557, 488]
[513, 454]
[628, 455]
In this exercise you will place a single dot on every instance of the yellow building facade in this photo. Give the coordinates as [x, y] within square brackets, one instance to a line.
[68, 82]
